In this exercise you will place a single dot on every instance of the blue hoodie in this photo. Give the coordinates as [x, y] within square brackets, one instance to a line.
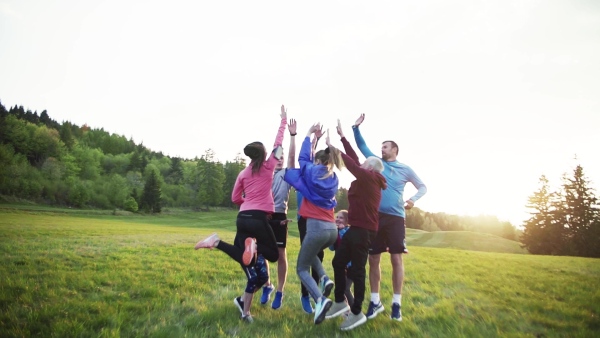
[309, 182]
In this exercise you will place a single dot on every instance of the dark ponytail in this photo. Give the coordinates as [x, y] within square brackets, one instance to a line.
[256, 152]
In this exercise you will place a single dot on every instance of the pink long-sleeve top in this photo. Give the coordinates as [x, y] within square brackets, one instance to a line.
[253, 191]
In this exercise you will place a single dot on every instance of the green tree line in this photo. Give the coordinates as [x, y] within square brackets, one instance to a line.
[64, 164]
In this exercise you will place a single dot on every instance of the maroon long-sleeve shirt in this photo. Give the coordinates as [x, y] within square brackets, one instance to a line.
[364, 194]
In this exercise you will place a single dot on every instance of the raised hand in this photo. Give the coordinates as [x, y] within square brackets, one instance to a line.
[359, 120]
[292, 126]
[283, 112]
[319, 132]
[315, 128]
[339, 129]
[327, 141]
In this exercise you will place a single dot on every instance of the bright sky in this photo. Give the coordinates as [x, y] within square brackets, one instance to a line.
[483, 96]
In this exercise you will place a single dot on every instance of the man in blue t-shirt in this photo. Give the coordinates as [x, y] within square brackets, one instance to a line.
[392, 232]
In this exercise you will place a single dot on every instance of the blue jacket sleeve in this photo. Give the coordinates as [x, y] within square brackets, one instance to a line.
[360, 142]
[305, 151]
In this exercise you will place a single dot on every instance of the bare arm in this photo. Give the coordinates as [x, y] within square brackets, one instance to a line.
[292, 151]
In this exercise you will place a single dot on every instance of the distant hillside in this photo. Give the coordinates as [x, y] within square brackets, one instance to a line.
[464, 240]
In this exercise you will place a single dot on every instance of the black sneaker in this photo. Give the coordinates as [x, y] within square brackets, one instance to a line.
[240, 304]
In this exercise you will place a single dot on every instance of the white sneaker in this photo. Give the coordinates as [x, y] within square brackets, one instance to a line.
[353, 321]
[209, 242]
[337, 309]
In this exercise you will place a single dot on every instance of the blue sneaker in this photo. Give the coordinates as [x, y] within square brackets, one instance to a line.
[321, 309]
[374, 309]
[326, 286]
[306, 304]
[266, 294]
[396, 312]
[278, 300]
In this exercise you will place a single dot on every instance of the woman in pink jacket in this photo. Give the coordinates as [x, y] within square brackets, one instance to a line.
[254, 240]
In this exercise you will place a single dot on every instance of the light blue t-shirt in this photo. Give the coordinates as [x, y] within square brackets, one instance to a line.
[396, 175]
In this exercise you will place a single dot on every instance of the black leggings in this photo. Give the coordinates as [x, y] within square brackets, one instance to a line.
[321, 254]
[353, 248]
[255, 224]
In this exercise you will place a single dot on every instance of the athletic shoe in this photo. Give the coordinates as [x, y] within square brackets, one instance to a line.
[248, 319]
[208, 242]
[353, 321]
[249, 251]
[321, 309]
[306, 304]
[337, 309]
[278, 300]
[240, 304]
[326, 286]
[396, 312]
[374, 309]
[266, 294]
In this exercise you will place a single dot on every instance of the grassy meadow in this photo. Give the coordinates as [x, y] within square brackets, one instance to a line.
[74, 273]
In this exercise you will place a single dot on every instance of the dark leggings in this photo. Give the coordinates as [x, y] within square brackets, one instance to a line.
[255, 224]
[354, 248]
[321, 254]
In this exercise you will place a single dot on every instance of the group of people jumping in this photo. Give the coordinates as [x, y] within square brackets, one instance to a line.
[372, 225]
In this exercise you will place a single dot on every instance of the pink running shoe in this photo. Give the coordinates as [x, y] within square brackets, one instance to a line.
[209, 242]
[249, 251]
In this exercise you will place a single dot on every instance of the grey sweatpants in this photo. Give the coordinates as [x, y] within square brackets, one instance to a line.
[319, 235]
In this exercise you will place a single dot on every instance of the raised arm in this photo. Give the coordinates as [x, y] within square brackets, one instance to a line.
[292, 151]
[277, 147]
[347, 147]
[279, 137]
[350, 163]
[306, 149]
[317, 136]
[360, 142]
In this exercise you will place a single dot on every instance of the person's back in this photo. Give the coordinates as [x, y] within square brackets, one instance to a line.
[255, 189]
[364, 198]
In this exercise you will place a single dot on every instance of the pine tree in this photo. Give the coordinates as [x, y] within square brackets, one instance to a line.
[580, 214]
[66, 135]
[176, 171]
[231, 170]
[544, 232]
[151, 196]
[210, 176]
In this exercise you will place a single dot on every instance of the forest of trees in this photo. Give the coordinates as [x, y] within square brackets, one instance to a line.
[565, 221]
[64, 164]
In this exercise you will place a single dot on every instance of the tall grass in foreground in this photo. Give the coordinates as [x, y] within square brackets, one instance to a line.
[69, 275]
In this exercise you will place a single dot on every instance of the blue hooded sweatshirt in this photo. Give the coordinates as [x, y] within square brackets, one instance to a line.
[309, 182]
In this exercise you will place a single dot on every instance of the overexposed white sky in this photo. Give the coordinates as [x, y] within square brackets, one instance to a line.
[483, 96]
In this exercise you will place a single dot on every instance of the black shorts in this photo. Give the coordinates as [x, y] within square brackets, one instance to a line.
[390, 235]
[280, 231]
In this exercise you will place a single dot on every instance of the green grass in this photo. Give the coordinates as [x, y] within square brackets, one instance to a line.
[464, 240]
[67, 273]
